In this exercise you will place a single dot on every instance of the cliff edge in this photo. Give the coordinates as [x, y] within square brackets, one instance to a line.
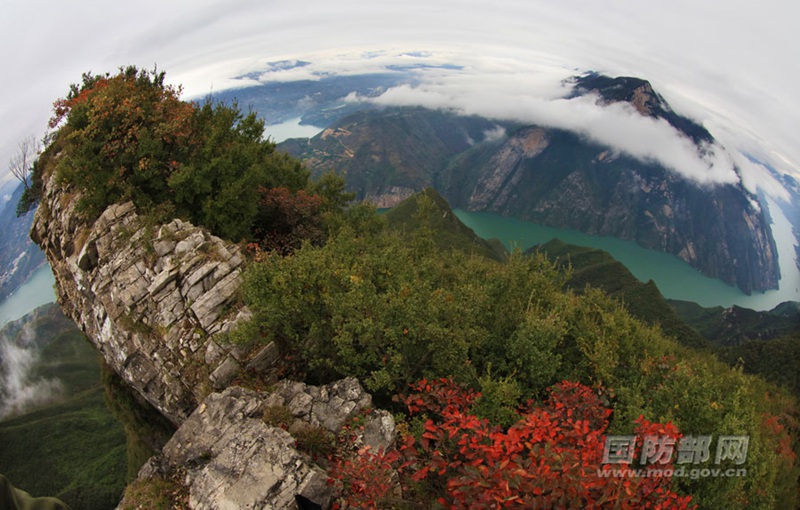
[150, 298]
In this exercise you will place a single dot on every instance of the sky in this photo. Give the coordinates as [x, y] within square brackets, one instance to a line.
[732, 66]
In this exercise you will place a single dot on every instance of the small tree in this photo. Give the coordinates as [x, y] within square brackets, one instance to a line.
[21, 164]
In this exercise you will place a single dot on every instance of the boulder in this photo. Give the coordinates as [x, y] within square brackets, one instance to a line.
[233, 460]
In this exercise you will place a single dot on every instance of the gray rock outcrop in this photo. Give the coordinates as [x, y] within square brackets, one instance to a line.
[150, 298]
[234, 460]
[154, 299]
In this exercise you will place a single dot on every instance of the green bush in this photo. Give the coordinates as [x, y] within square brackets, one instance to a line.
[130, 137]
[392, 308]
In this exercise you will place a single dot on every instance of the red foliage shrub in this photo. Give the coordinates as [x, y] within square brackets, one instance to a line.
[551, 458]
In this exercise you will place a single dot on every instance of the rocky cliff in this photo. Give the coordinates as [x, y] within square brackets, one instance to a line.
[154, 299]
[554, 178]
[232, 454]
[150, 298]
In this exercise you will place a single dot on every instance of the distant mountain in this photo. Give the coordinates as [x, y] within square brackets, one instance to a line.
[19, 257]
[791, 208]
[553, 177]
[317, 102]
[736, 325]
[641, 95]
[388, 155]
[6, 190]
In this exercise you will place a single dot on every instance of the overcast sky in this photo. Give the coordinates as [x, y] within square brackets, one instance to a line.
[730, 65]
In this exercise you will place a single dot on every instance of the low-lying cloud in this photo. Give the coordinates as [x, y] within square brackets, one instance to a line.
[533, 92]
[20, 390]
[617, 125]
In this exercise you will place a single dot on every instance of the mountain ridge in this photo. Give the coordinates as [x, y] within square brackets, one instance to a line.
[154, 295]
[552, 177]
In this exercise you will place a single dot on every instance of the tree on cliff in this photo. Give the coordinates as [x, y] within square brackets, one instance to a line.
[21, 164]
[130, 137]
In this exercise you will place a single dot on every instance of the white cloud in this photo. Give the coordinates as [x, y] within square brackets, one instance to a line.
[756, 177]
[731, 65]
[616, 125]
[494, 135]
[19, 389]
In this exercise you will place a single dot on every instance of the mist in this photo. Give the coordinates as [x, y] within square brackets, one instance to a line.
[20, 389]
[616, 125]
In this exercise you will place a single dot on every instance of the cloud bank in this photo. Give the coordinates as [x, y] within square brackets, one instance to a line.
[732, 66]
[617, 125]
[528, 92]
[20, 390]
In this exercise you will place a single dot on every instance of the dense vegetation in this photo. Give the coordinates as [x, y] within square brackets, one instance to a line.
[736, 325]
[130, 137]
[597, 268]
[765, 343]
[776, 360]
[344, 291]
[392, 307]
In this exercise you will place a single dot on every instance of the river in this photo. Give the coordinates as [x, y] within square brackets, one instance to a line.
[675, 278]
[36, 291]
[290, 129]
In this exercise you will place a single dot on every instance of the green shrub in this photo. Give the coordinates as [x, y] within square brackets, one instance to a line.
[130, 137]
[390, 310]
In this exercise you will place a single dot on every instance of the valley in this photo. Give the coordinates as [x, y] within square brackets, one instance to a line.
[674, 277]
[326, 290]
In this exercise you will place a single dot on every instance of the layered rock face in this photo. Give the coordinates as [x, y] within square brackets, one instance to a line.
[154, 299]
[232, 458]
[554, 178]
[151, 298]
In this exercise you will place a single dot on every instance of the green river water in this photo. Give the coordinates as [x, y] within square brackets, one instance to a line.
[675, 278]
